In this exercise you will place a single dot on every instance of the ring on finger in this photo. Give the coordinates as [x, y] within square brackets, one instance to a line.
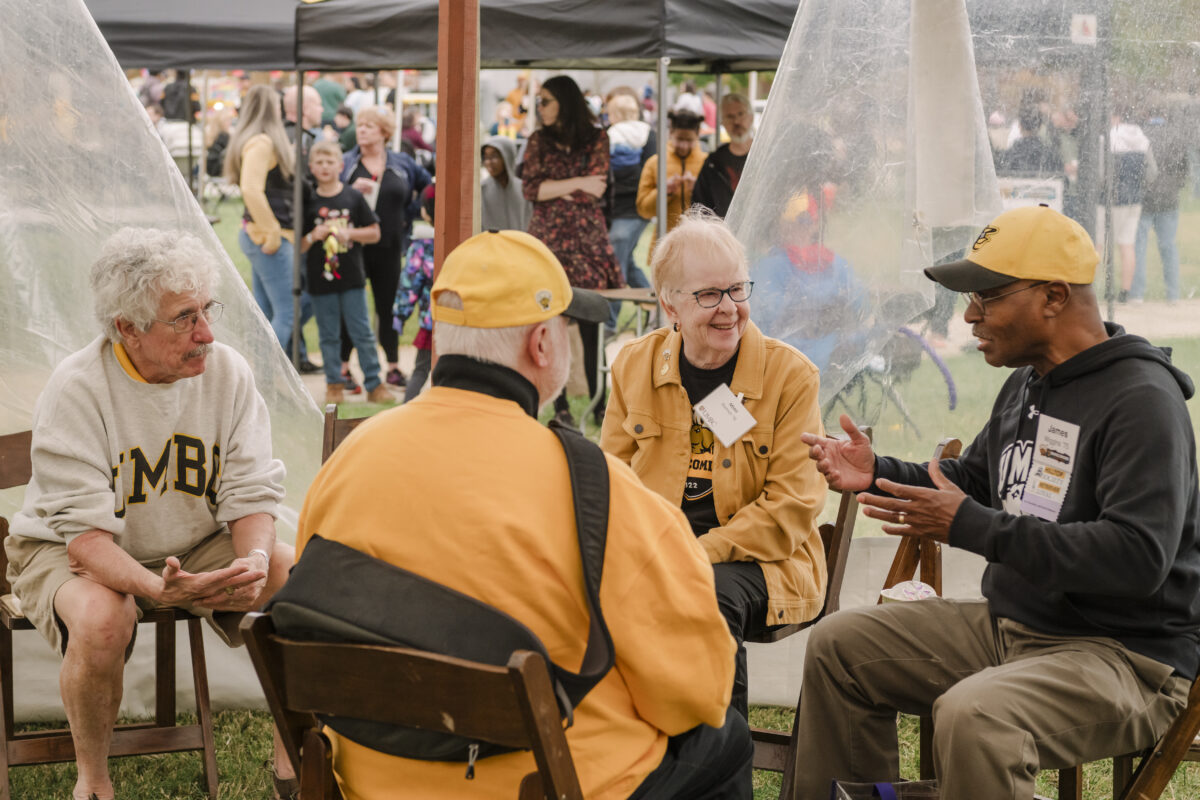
[229, 589]
[901, 517]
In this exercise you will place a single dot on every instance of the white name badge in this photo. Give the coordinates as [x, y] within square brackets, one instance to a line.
[724, 415]
[1051, 468]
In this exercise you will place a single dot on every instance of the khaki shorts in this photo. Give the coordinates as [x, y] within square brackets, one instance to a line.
[37, 569]
[1125, 223]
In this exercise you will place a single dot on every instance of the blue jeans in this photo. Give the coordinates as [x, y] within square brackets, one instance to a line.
[350, 307]
[624, 235]
[271, 282]
[1165, 223]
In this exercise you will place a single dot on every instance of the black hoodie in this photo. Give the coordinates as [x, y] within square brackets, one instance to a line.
[1122, 560]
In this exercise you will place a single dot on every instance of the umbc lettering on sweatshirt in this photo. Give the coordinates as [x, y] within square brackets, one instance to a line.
[197, 470]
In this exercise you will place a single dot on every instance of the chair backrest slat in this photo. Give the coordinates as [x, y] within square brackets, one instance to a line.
[16, 467]
[423, 690]
[836, 539]
[912, 552]
[336, 430]
[513, 706]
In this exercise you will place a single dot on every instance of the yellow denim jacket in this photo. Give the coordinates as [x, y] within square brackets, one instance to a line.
[765, 487]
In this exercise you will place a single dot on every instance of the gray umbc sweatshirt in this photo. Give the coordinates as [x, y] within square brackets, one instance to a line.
[160, 466]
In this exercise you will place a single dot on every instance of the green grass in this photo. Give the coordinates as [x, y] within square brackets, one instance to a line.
[243, 741]
[1097, 776]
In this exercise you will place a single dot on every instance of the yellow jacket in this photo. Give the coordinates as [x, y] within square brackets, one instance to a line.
[472, 492]
[681, 200]
[764, 486]
[258, 158]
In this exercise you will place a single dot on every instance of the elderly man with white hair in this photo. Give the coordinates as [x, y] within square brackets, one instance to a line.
[488, 511]
[153, 482]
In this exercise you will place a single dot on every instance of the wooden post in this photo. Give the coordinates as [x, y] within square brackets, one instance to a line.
[458, 126]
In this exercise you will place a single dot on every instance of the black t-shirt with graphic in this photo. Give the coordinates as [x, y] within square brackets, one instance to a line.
[697, 493]
[718, 180]
[332, 267]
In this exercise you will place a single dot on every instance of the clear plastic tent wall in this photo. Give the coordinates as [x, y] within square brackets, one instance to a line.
[870, 163]
[79, 160]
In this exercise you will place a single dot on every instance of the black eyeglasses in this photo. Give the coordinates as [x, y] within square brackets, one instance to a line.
[981, 301]
[186, 323]
[711, 298]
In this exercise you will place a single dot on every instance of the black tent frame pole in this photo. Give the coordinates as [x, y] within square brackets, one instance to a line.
[191, 119]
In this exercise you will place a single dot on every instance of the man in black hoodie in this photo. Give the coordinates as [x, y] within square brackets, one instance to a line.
[1081, 493]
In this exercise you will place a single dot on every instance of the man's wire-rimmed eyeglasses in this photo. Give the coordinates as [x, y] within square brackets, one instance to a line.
[186, 323]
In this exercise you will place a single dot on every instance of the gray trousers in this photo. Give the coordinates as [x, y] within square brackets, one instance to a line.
[1006, 700]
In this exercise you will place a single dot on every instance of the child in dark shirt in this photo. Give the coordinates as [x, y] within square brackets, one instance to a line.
[337, 220]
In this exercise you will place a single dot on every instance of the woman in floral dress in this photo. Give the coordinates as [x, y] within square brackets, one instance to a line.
[565, 176]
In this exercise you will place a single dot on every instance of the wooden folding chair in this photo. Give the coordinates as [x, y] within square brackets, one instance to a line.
[775, 751]
[162, 735]
[336, 430]
[1157, 766]
[513, 706]
[911, 553]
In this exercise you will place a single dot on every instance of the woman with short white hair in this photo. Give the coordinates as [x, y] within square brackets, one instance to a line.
[744, 481]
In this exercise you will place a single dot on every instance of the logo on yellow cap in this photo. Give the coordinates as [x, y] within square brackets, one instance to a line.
[984, 237]
[543, 298]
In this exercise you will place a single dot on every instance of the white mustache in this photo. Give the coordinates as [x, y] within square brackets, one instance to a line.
[199, 352]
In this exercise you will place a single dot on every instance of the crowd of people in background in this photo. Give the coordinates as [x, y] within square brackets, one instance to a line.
[576, 169]
[1149, 151]
[579, 170]
[587, 169]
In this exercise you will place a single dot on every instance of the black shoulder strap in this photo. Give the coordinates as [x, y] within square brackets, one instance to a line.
[588, 470]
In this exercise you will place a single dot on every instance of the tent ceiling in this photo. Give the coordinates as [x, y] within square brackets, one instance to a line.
[615, 34]
[213, 34]
[380, 34]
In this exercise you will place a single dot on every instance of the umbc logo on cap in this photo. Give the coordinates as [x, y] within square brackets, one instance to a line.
[984, 237]
[543, 298]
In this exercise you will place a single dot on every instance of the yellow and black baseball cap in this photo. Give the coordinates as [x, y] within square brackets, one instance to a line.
[1029, 243]
[509, 278]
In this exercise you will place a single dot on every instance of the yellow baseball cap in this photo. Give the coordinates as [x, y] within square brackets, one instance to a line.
[509, 278]
[1029, 243]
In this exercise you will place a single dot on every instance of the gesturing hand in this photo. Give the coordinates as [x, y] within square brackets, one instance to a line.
[915, 510]
[241, 597]
[847, 464]
[210, 589]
